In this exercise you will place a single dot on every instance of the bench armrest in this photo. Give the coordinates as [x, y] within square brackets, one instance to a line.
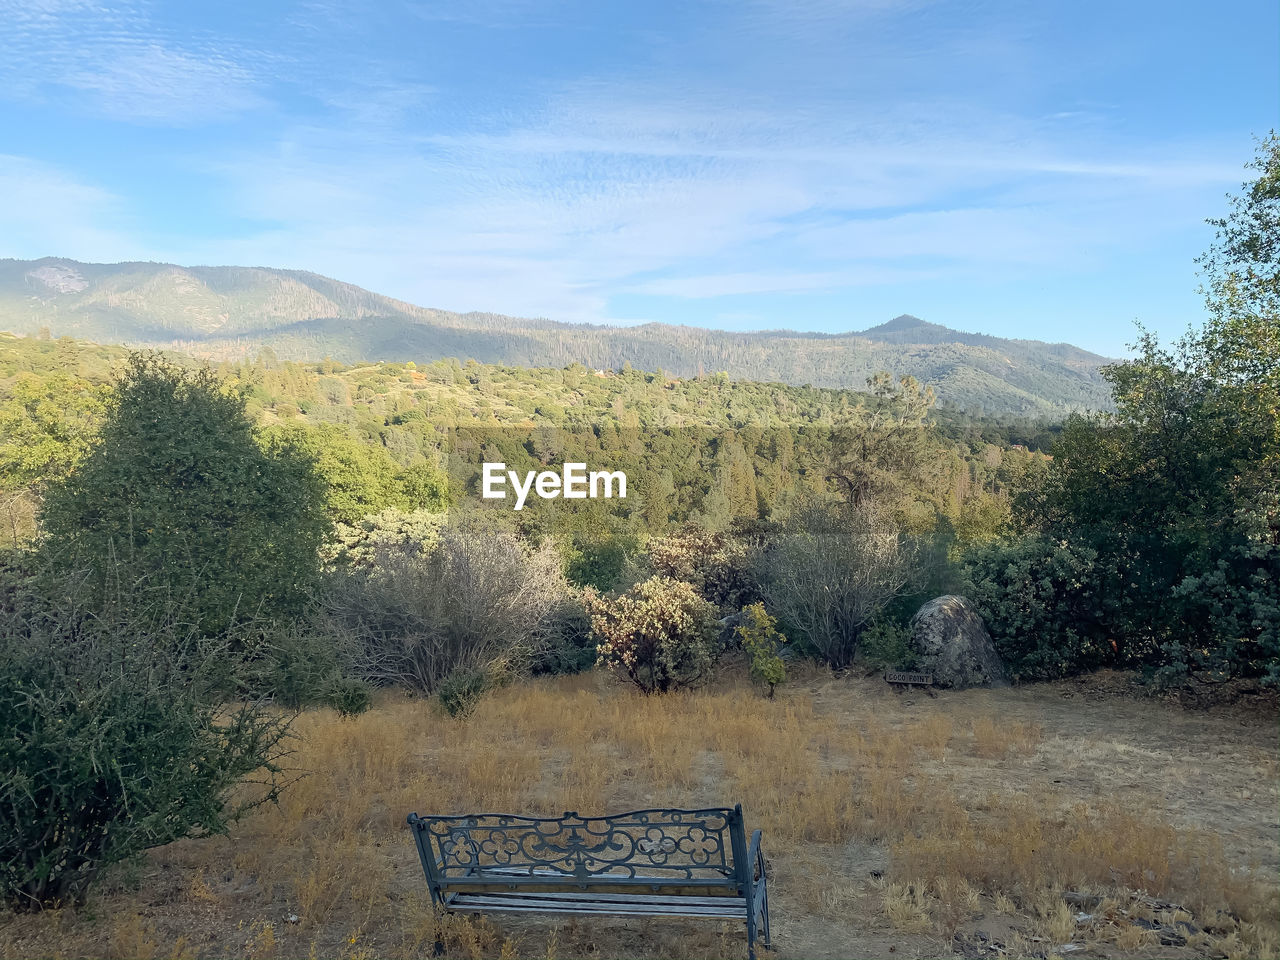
[433, 868]
[755, 856]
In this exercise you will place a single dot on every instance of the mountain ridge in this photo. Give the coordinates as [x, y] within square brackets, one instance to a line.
[223, 312]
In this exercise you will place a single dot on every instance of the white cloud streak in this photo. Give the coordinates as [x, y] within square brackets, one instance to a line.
[556, 216]
[112, 60]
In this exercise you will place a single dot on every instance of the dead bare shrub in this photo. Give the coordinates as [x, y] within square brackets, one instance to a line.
[831, 571]
[475, 602]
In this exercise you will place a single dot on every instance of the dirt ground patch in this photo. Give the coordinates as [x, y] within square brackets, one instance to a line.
[1050, 820]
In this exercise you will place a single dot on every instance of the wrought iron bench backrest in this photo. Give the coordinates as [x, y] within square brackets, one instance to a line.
[704, 848]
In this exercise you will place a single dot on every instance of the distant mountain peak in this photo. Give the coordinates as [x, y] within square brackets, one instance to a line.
[904, 321]
[901, 324]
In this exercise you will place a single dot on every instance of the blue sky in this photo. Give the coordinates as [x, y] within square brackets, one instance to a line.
[1037, 170]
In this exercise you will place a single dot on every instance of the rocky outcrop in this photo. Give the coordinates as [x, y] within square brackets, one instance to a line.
[951, 642]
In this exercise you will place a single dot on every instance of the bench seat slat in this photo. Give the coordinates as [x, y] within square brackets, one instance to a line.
[728, 908]
[736, 902]
[499, 876]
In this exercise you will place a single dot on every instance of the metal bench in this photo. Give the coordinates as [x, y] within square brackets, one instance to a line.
[647, 863]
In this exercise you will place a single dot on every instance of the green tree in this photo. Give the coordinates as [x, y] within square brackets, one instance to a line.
[762, 641]
[1241, 270]
[177, 497]
[880, 449]
[46, 426]
[424, 487]
[1175, 498]
[359, 478]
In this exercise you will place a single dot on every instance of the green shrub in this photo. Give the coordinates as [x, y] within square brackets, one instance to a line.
[886, 644]
[111, 745]
[461, 690]
[348, 695]
[762, 641]
[596, 564]
[660, 634]
[290, 664]
[1042, 603]
[571, 648]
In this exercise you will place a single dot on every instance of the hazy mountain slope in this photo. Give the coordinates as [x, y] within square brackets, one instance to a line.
[226, 312]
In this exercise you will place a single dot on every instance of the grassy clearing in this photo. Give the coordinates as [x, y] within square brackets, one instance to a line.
[888, 821]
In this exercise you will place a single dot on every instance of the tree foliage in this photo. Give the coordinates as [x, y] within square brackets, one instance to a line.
[1241, 269]
[762, 642]
[176, 498]
[46, 427]
[881, 448]
[361, 478]
[1170, 507]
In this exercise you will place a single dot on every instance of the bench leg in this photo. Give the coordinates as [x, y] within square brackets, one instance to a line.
[438, 910]
[751, 932]
[764, 916]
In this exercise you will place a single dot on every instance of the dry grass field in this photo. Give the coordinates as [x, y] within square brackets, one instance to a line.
[1033, 822]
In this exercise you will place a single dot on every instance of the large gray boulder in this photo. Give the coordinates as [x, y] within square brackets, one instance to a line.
[952, 643]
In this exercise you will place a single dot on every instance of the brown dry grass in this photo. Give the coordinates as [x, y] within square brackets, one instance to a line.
[889, 823]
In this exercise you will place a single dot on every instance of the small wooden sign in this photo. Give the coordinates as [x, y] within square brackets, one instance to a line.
[907, 676]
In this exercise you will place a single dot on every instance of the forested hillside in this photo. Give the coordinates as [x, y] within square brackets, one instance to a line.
[232, 312]
[404, 436]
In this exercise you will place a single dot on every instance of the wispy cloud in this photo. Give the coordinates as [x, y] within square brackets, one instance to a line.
[156, 83]
[113, 60]
[556, 216]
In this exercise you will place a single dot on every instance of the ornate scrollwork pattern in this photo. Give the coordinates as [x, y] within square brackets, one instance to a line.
[678, 844]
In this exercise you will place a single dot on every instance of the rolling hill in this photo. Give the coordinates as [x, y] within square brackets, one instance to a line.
[230, 312]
